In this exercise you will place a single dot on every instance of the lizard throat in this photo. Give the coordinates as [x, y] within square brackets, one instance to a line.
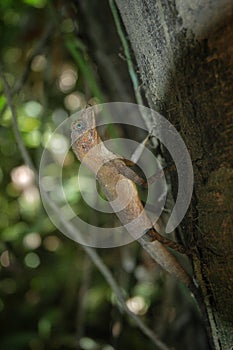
[85, 143]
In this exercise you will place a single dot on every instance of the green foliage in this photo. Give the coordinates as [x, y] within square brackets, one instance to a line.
[36, 3]
[43, 274]
[41, 271]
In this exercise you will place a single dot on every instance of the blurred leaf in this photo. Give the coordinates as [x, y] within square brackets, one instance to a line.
[44, 328]
[36, 3]
[2, 101]
[27, 124]
[14, 232]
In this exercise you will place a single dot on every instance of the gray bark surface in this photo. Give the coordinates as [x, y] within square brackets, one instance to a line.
[184, 52]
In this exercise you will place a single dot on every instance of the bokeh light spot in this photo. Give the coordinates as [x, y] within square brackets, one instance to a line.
[5, 259]
[38, 63]
[33, 108]
[67, 79]
[32, 260]
[52, 243]
[32, 240]
[22, 176]
[137, 305]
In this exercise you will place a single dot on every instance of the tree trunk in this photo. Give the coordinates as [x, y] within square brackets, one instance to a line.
[184, 51]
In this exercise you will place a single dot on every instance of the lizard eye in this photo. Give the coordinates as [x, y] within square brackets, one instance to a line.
[79, 126]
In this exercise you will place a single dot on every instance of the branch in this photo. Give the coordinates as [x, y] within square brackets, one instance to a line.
[22, 148]
[81, 303]
[73, 232]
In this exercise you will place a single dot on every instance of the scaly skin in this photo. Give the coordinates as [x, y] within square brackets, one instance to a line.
[122, 193]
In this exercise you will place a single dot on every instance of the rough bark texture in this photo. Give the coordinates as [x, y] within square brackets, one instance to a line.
[184, 51]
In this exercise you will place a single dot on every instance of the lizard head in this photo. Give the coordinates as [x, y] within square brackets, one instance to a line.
[84, 135]
[84, 124]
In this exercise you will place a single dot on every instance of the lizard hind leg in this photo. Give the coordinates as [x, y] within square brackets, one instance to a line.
[153, 235]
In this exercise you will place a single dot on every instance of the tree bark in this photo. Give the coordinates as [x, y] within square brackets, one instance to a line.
[184, 51]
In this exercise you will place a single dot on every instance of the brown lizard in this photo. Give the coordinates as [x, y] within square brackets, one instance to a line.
[111, 170]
